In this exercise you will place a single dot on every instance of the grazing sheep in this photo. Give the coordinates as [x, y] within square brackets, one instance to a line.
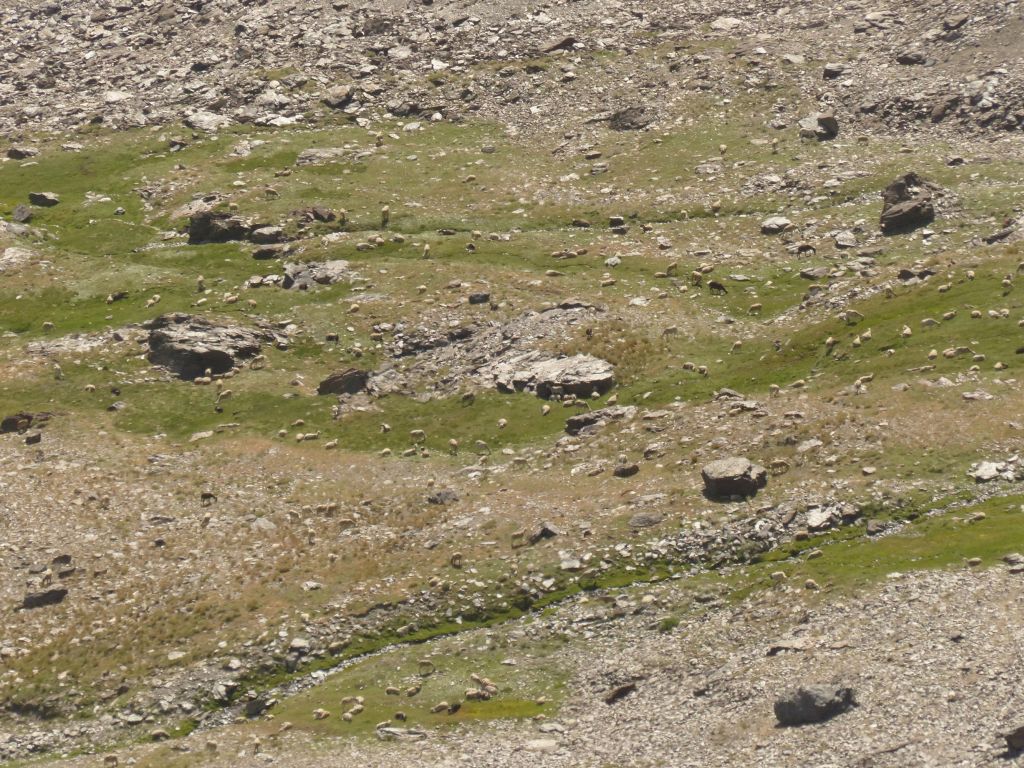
[417, 435]
[755, 309]
[385, 216]
[481, 447]
[206, 498]
[385, 427]
[696, 278]
[258, 362]
[453, 447]
[716, 288]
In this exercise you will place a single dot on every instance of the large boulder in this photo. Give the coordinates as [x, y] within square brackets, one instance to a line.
[735, 476]
[822, 126]
[44, 199]
[813, 704]
[22, 421]
[631, 119]
[201, 120]
[340, 96]
[189, 345]
[304, 276]
[346, 382]
[775, 225]
[1015, 740]
[578, 375]
[44, 598]
[907, 203]
[216, 227]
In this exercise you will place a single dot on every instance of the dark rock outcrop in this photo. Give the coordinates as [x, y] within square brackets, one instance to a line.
[346, 382]
[813, 704]
[216, 227]
[44, 598]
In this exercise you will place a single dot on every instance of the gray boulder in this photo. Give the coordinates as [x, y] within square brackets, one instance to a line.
[735, 476]
[822, 126]
[578, 375]
[775, 225]
[201, 120]
[907, 203]
[305, 276]
[268, 235]
[631, 119]
[813, 704]
[189, 345]
[346, 382]
[340, 96]
[592, 420]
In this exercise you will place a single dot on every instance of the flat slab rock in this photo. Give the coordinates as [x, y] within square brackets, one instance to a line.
[582, 422]
[532, 372]
[189, 345]
[735, 476]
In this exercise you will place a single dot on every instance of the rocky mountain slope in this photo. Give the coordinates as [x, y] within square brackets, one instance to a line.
[581, 384]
